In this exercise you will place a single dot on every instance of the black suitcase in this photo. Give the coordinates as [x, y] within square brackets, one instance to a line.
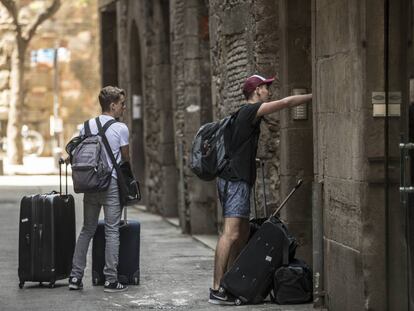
[129, 251]
[251, 276]
[47, 233]
[256, 222]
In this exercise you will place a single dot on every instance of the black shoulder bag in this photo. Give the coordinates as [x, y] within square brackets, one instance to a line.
[129, 191]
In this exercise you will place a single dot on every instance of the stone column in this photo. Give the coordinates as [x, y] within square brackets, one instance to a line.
[365, 255]
[192, 105]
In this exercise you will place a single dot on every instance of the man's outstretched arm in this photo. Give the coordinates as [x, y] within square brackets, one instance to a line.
[290, 101]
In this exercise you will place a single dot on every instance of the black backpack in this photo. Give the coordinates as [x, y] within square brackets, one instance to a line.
[293, 284]
[209, 154]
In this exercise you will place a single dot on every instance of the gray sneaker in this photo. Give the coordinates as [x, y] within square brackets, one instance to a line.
[75, 283]
[114, 287]
[220, 297]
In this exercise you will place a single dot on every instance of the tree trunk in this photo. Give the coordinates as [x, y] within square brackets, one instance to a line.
[14, 125]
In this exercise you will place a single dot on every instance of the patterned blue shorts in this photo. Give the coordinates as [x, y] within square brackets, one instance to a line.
[237, 201]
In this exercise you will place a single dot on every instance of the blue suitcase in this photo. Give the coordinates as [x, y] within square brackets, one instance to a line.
[129, 251]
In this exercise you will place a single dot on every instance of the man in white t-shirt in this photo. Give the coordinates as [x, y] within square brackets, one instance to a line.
[112, 101]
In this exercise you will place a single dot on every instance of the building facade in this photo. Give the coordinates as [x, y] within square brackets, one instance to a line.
[65, 90]
[183, 63]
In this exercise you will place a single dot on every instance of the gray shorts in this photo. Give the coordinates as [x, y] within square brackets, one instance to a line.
[236, 203]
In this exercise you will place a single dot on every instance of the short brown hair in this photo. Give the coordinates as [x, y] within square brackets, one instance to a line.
[110, 94]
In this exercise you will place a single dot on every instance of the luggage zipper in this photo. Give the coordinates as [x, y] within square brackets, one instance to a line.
[34, 229]
[40, 229]
[52, 230]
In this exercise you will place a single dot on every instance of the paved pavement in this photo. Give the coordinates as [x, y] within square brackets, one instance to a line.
[176, 270]
[32, 165]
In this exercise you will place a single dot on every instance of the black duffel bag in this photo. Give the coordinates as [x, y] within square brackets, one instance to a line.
[293, 284]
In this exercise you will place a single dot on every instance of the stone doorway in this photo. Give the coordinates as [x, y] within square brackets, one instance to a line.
[296, 124]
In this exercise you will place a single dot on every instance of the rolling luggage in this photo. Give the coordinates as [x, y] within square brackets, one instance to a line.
[47, 233]
[129, 251]
[255, 223]
[251, 276]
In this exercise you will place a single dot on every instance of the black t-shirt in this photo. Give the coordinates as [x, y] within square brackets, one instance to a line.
[245, 133]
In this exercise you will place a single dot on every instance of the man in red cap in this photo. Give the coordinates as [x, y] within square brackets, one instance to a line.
[235, 182]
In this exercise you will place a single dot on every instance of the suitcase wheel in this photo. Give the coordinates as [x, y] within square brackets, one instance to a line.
[21, 284]
[237, 302]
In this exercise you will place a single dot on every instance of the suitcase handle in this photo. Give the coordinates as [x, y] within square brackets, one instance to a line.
[62, 161]
[261, 163]
[125, 218]
[298, 184]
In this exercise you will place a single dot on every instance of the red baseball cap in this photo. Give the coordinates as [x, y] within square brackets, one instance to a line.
[254, 81]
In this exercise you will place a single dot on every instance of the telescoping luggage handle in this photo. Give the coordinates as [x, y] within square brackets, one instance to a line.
[61, 162]
[266, 211]
[298, 184]
[125, 217]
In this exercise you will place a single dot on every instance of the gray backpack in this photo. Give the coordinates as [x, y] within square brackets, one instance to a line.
[90, 169]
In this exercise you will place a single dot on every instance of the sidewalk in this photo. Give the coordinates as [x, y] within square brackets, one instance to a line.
[176, 270]
[32, 165]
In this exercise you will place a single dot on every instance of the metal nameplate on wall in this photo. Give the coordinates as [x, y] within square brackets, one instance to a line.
[299, 112]
[378, 103]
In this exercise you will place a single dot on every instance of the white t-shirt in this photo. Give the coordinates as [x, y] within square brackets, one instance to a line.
[117, 135]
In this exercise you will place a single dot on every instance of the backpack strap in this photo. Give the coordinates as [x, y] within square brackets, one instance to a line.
[121, 180]
[102, 129]
[87, 128]
[101, 132]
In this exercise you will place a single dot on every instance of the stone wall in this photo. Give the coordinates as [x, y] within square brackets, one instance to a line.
[194, 56]
[166, 64]
[244, 40]
[150, 21]
[363, 219]
[177, 42]
[192, 106]
[340, 138]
